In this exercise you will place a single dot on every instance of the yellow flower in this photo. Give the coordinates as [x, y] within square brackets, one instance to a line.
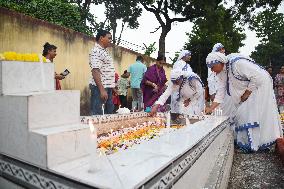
[19, 57]
[43, 59]
[34, 57]
[2, 57]
[10, 55]
[28, 57]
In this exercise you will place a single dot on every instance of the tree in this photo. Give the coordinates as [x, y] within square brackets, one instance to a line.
[85, 15]
[205, 35]
[120, 10]
[55, 11]
[116, 10]
[269, 26]
[149, 49]
[244, 11]
[185, 10]
[174, 59]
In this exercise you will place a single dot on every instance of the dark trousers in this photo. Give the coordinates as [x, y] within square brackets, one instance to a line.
[123, 101]
[96, 101]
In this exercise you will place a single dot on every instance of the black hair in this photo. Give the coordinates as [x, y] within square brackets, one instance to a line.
[140, 58]
[161, 57]
[125, 72]
[47, 47]
[101, 33]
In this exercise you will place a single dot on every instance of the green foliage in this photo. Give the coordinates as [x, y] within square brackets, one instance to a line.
[218, 26]
[192, 10]
[126, 11]
[270, 27]
[59, 12]
[150, 49]
[175, 57]
[245, 10]
[183, 11]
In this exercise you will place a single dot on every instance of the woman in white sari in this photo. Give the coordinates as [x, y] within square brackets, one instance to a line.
[189, 89]
[257, 123]
[180, 64]
[211, 79]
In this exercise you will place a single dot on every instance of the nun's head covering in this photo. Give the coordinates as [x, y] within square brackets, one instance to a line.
[217, 47]
[233, 56]
[176, 74]
[184, 53]
[215, 58]
[180, 74]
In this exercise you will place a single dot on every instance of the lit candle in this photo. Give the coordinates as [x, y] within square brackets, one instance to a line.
[133, 109]
[93, 146]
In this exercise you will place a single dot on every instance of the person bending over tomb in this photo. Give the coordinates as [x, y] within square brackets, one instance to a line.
[250, 88]
[189, 90]
[182, 63]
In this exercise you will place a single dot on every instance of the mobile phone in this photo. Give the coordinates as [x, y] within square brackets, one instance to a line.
[65, 73]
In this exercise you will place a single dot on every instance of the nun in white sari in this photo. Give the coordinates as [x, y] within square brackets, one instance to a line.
[212, 78]
[189, 89]
[180, 64]
[257, 123]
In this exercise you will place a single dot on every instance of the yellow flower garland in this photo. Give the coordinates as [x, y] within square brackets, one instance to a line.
[27, 57]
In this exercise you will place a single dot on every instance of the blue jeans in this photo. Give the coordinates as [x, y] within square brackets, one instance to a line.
[96, 101]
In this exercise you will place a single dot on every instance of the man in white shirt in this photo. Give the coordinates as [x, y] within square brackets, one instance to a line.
[102, 81]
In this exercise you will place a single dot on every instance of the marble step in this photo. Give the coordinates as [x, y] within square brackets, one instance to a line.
[40, 110]
[22, 77]
[62, 143]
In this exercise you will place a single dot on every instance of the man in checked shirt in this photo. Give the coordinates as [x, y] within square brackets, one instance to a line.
[102, 81]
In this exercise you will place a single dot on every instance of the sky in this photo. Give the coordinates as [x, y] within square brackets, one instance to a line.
[175, 39]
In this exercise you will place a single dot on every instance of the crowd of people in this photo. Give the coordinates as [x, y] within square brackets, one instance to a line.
[245, 91]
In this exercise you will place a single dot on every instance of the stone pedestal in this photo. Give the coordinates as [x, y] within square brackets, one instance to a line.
[24, 77]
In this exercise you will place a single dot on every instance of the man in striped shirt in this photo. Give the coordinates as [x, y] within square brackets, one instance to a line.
[102, 81]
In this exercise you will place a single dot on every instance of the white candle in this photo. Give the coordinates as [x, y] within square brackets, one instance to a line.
[103, 109]
[93, 146]
[133, 109]
[168, 118]
[187, 122]
[111, 137]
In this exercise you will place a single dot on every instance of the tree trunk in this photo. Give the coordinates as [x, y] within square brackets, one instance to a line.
[162, 43]
[113, 27]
